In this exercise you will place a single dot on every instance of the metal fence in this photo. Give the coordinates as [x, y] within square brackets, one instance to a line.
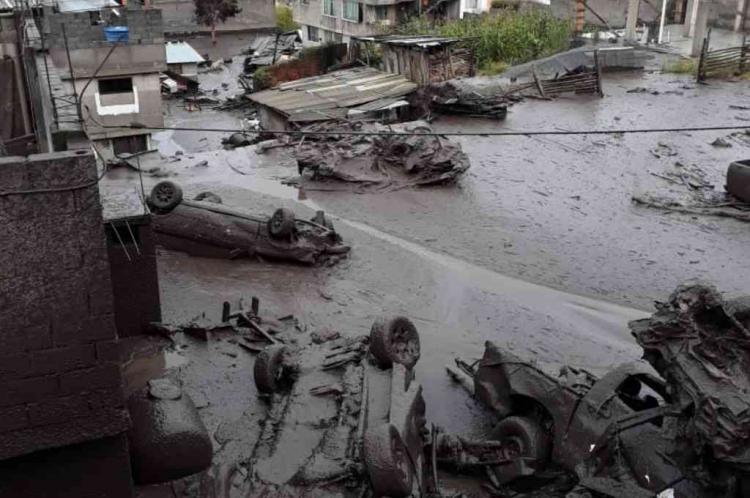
[723, 62]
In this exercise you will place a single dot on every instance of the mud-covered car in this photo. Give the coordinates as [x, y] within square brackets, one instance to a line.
[343, 417]
[605, 430]
[204, 226]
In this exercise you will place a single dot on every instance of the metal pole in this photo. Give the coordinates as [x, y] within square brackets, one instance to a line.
[661, 20]
[72, 74]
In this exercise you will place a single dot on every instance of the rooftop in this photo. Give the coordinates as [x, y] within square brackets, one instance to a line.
[182, 53]
[333, 95]
[423, 41]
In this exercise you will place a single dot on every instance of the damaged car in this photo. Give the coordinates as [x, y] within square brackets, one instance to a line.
[676, 426]
[345, 417]
[204, 226]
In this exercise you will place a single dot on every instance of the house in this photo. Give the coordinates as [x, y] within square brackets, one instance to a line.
[182, 59]
[323, 21]
[105, 65]
[349, 93]
[456, 9]
[422, 59]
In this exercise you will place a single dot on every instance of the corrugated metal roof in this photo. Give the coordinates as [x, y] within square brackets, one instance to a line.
[422, 41]
[181, 53]
[319, 98]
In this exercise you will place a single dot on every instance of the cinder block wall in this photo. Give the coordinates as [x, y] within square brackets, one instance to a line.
[60, 381]
[144, 27]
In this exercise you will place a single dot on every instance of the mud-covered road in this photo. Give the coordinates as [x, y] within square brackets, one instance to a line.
[538, 247]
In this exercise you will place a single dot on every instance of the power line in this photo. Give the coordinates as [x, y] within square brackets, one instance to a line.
[436, 134]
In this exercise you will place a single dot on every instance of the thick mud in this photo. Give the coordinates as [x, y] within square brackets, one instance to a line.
[538, 248]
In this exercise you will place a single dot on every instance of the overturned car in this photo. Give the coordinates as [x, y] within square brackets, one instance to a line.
[681, 428]
[204, 226]
[345, 417]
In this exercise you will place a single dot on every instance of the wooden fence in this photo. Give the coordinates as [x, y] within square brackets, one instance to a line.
[587, 80]
[723, 62]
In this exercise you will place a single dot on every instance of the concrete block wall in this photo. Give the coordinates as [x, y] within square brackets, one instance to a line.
[145, 27]
[60, 380]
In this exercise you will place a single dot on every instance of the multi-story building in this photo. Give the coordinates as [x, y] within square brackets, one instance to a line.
[103, 87]
[323, 21]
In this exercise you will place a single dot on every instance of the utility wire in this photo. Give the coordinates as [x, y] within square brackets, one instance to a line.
[436, 134]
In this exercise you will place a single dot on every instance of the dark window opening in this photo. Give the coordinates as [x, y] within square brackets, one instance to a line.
[129, 145]
[115, 85]
[112, 230]
[95, 17]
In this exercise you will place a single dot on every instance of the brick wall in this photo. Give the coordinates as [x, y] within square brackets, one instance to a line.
[135, 279]
[145, 27]
[60, 378]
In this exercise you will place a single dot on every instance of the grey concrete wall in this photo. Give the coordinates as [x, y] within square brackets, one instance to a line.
[614, 11]
[60, 380]
[178, 16]
[311, 14]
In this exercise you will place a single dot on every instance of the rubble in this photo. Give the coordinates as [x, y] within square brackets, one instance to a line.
[452, 98]
[379, 161]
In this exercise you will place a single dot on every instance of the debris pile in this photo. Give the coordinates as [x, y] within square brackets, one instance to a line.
[384, 159]
[700, 344]
[271, 49]
[452, 98]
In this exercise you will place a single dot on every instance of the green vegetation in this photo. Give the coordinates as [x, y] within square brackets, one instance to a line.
[508, 37]
[492, 68]
[284, 19]
[680, 66]
[261, 79]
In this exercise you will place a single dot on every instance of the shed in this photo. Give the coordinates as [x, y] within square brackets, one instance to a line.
[336, 95]
[422, 59]
[183, 59]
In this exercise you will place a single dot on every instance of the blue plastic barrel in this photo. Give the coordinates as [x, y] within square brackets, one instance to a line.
[116, 33]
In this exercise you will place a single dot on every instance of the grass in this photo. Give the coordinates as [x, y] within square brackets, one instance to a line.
[284, 19]
[680, 66]
[506, 38]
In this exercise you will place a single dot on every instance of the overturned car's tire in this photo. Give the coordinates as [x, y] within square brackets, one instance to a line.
[738, 180]
[387, 462]
[165, 196]
[394, 340]
[269, 369]
[281, 224]
[524, 438]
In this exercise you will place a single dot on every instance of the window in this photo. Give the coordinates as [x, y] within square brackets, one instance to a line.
[95, 17]
[381, 12]
[129, 145]
[328, 8]
[313, 34]
[118, 85]
[352, 11]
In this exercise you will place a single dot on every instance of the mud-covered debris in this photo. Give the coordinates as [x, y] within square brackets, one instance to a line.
[720, 142]
[451, 98]
[641, 89]
[324, 335]
[164, 388]
[380, 160]
[700, 344]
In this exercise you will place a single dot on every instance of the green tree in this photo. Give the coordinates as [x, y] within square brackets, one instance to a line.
[212, 12]
[285, 19]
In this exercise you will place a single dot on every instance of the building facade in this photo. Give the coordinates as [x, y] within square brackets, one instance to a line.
[325, 21]
[115, 87]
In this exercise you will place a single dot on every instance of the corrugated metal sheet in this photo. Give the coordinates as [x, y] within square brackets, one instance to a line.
[329, 96]
[182, 53]
[426, 41]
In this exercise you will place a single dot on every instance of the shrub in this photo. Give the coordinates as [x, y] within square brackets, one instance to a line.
[510, 37]
[285, 19]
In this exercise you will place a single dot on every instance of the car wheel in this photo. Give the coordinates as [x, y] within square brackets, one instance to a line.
[281, 224]
[269, 369]
[394, 340]
[387, 462]
[165, 196]
[208, 197]
[738, 180]
[524, 437]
